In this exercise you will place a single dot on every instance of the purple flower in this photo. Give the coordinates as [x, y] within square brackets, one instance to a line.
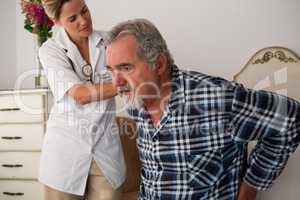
[40, 13]
[31, 8]
[50, 22]
[37, 21]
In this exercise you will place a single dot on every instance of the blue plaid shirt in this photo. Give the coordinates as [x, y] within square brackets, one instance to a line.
[198, 149]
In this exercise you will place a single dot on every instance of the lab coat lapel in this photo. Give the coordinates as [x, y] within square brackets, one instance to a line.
[72, 51]
[95, 41]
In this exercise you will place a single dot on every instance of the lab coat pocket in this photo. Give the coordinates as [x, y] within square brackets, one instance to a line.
[205, 169]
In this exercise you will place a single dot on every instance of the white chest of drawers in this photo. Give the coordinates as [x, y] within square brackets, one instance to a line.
[23, 115]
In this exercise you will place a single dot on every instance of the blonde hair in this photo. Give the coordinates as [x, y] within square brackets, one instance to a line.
[53, 7]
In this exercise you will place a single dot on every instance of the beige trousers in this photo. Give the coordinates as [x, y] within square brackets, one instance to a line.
[98, 188]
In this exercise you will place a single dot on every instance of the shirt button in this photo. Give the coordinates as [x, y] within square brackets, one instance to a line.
[154, 139]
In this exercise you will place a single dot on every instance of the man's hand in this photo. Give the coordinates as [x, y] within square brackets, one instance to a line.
[246, 192]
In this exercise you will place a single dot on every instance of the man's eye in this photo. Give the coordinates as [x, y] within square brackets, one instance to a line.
[108, 68]
[125, 68]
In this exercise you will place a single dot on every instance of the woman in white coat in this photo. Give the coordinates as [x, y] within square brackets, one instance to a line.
[82, 156]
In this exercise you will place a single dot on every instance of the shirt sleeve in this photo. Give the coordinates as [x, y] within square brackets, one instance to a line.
[274, 122]
[59, 72]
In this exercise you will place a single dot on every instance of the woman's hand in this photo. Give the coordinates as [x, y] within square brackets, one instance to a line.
[86, 93]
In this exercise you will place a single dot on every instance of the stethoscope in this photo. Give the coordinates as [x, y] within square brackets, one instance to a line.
[86, 69]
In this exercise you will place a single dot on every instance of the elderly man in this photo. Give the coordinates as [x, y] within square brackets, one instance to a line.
[193, 129]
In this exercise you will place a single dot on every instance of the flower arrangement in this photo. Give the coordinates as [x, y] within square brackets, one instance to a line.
[36, 20]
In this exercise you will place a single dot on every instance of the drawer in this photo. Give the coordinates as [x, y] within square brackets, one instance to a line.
[21, 165]
[20, 190]
[21, 137]
[21, 108]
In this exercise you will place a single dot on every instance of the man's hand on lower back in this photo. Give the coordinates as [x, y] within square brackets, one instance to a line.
[246, 192]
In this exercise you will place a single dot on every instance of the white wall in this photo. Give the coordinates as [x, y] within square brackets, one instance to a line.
[7, 43]
[26, 51]
[17, 46]
[212, 36]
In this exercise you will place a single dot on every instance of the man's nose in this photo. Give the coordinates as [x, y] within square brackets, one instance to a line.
[118, 79]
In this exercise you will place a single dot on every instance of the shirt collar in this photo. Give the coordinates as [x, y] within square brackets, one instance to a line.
[177, 98]
[65, 42]
[97, 38]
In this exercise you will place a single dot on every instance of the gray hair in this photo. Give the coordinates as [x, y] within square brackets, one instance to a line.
[151, 44]
[53, 7]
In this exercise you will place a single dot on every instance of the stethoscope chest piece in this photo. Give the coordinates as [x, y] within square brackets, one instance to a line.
[87, 71]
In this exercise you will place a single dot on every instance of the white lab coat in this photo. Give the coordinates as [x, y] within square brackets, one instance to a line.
[77, 134]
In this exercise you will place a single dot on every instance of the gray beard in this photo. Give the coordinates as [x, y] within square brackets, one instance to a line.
[132, 102]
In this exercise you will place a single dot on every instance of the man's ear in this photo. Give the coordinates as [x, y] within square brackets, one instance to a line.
[161, 64]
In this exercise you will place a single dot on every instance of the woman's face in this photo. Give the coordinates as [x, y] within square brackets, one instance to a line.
[76, 19]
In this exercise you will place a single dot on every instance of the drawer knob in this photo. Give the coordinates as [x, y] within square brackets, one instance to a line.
[12, 166]
[11, 138]
[13, 194]
[10, 109]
